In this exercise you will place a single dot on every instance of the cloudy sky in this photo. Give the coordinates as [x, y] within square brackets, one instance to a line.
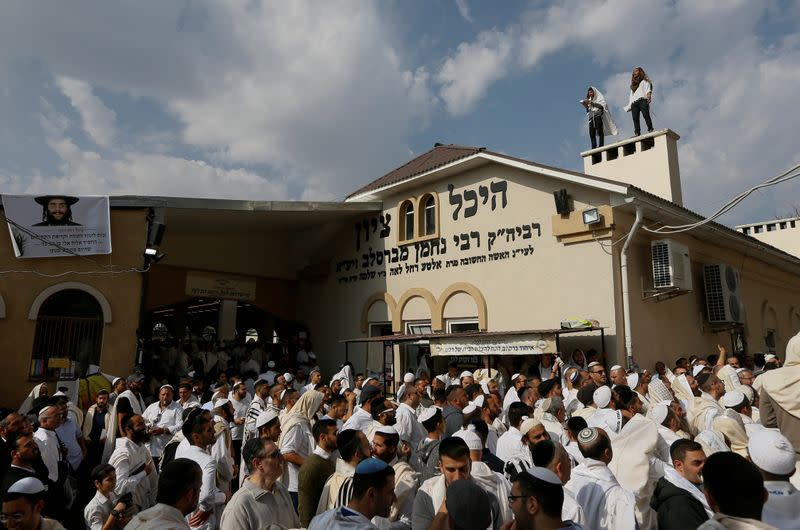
[310, 100]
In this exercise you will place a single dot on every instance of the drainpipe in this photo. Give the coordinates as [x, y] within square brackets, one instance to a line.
[626, 306]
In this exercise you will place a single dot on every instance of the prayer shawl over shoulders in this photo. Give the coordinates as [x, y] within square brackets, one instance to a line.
[609, 127]
[702, 413]
[782, 508]
[330, 491]
[779, 404]
[606, 504]
[637, 466]
[138, 406]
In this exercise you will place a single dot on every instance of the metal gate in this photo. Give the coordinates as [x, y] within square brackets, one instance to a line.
[64, 346]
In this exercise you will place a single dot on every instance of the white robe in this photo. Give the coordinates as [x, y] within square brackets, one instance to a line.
[606, 504]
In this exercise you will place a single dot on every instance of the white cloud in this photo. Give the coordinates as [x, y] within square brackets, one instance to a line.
[313, 90]
[134, 172]
[463, 10]
[466, 76]
[98, 120]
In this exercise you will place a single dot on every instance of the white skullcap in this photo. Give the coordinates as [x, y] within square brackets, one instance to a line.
[769, 357]
[659, 413]
[593, 364]
[602, 397]
[427, 414]
[190, 374]
[465, 373]
[739, 370]
[633, 380]
[442, 378]
[697, 369]
[312, 355]
[221, 402]
[386, 429]
[59, 393]
[408, 378]
[732, 399]
[615, 367]
[288, 377]
[542, 473]
[513, 377]
[772, 452]
[27, 486]
[470, 408]
[370, 378]
[271, 364]
[166, 386]
[528, 424]
[471, 438]
[209, 406]
[265, 417]
[116, 380]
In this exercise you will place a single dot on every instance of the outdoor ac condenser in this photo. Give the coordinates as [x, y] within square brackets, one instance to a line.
[671, 265]
[723, 293]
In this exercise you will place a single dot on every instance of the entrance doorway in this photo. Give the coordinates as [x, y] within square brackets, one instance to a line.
[68, 337]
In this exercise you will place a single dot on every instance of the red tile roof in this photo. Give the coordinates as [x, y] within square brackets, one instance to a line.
[439, 156]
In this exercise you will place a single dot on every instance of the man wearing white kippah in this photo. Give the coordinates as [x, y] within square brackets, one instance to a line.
[163, 420]
[518, 382]
[22, 506]
[773, 455]
[606, 504]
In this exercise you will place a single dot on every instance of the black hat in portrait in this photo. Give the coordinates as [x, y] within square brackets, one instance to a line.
[57, 210]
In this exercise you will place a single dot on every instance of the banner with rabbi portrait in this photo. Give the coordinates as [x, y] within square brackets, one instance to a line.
[44, 226]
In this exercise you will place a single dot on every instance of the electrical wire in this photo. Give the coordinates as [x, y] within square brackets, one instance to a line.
[778, 179]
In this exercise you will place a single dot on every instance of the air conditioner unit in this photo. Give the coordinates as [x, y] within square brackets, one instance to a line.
[671, 265]
[723, 294]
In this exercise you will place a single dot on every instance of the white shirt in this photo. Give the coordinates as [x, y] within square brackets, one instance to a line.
[606, 505]
[48, 447]
[97, 511]
[641, 91]
[298, 440]
[69, 432]
[210, 494]
[159, 517]
[361, 420]
[239, 411]
[408, 427]
[509, 445]
[169, 418]
[782, 509]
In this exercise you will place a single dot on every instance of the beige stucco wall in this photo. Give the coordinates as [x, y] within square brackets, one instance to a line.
[676, 327]
[533, 291]
[122, 292]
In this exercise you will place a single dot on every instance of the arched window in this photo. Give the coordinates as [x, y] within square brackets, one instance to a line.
[429, 216]
[69, 335]
[407, 216]
[252, 333]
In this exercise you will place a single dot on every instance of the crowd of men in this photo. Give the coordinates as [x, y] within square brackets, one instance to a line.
[243, 438]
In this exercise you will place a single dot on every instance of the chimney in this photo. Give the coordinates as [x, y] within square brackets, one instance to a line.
[649, 162]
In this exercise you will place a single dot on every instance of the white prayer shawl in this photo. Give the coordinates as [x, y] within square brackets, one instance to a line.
[669, 436]
[782, 384]
[677, 480]
[511, 397]
[126, 458]
[26, 405]
[729, 378]
[574, 453]
[606, 504]
[782, 508]
[637, 464]
[609, 127]
[657, 391]
[702, 413]
[435, 489]
[509, 445]
[330, 492]
[138, 406]
[571, 510]
[645, 402]
[730, 424]
[609, 420]
[720, 521]
[494, 483]
[750, 425]
[682, 390]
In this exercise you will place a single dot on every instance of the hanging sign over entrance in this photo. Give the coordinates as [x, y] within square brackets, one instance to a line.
[204, 285]
[531, 344]
[44, 226]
